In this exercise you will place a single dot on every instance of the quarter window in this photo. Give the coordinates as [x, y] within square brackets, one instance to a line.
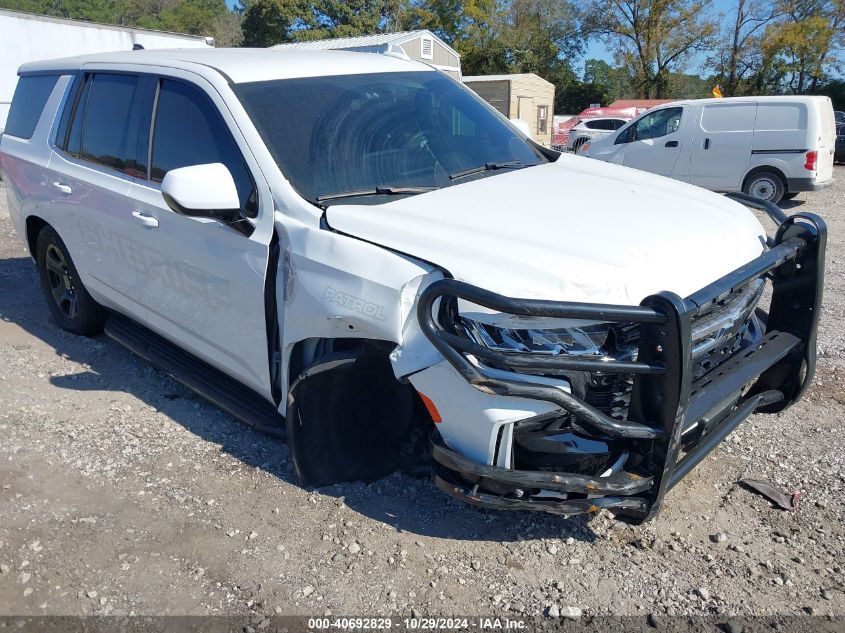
[189, 130]
[31, 96]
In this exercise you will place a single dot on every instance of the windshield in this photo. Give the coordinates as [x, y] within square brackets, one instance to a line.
[373, 135]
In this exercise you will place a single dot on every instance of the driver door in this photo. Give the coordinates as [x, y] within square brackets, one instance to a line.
[656, 143]
[203, 281]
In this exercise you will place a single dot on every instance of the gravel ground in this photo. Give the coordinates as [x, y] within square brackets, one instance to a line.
[123, 493]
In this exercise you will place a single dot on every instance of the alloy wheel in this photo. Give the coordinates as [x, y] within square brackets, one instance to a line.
[61, 282]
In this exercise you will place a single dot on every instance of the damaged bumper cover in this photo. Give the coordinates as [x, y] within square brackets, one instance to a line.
[676, 414]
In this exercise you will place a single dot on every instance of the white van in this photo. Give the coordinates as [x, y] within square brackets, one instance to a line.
[769, 147]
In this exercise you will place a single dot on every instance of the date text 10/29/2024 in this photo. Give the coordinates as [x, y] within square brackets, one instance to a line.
[416, 624]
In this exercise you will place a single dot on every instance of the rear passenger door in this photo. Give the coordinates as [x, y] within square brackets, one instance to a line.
[721, 147]
[202, 281]
[91, 171]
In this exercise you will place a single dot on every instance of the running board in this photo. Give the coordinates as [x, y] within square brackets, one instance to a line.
[236, 399]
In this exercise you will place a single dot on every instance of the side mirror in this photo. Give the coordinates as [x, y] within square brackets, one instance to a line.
[202, 191]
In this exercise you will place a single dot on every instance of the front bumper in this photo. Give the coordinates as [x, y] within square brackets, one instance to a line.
[666, 400]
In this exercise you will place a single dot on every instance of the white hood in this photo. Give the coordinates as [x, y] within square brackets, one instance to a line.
[573, 230]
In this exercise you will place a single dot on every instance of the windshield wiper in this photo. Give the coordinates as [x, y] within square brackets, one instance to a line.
[505, 164]
[375, 191]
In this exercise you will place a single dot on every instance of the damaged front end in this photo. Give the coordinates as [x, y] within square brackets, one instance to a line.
[641, 393]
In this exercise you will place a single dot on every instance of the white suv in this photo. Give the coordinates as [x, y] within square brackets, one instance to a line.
[592, 129]
[339, 246]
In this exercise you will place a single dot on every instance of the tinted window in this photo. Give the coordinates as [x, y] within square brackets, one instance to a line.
[617, 123]
[189, 130]
[74, 140]
[658, 123]
[603, 124]
[108, 134]
[31, 95]
[361, 132]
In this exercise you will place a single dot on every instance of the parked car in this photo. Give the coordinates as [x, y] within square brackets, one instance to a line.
[591, 129]
[839, 152]
[768, 147]
[344, 248]
[840, 117]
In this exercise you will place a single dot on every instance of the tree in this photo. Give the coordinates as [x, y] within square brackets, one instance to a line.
[618, 82]
[803, 43]
[574, 97]
[741, 53]
[269, 22]
[654, 37]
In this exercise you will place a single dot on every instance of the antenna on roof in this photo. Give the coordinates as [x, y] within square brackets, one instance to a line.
[137, 47]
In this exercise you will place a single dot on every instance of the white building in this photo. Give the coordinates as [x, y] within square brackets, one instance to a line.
[25, 37]
[422, 45]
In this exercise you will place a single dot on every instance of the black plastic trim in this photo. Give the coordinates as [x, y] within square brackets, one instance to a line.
[237, 399]
[666, 400]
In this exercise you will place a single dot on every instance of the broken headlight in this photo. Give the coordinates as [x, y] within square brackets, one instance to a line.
[604, 340]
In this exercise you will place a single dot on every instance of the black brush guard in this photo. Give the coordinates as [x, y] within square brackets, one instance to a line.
[665, 400]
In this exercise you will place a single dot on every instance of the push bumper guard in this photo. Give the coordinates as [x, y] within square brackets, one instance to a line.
[665, 400]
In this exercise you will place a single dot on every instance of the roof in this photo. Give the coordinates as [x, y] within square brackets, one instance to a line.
[99, 25]
[752, 99]
[638, 103]
[364, 41]
[511, 77]
[240, 65]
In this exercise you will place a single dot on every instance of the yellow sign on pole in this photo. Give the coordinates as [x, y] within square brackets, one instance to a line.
[717, 91]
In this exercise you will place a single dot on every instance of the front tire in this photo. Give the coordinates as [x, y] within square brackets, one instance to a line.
[347, 417]
[765, 185]
[72, 307]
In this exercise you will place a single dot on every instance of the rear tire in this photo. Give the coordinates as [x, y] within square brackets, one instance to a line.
[766, 185]
[70, 304]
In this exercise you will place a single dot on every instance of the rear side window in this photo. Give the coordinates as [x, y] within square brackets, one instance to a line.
[189, 130]
[102, 123]
[31, 96]
[729, 117]
[107, 137]
[781, 116]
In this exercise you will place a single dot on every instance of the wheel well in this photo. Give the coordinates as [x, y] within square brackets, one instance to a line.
[350, 419]
[774, 170]
[306, 351]
[34, 224]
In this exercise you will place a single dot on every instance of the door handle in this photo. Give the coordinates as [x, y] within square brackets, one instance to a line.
[707, 143]
[65, 189]
[671, 144]
[146, 220]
